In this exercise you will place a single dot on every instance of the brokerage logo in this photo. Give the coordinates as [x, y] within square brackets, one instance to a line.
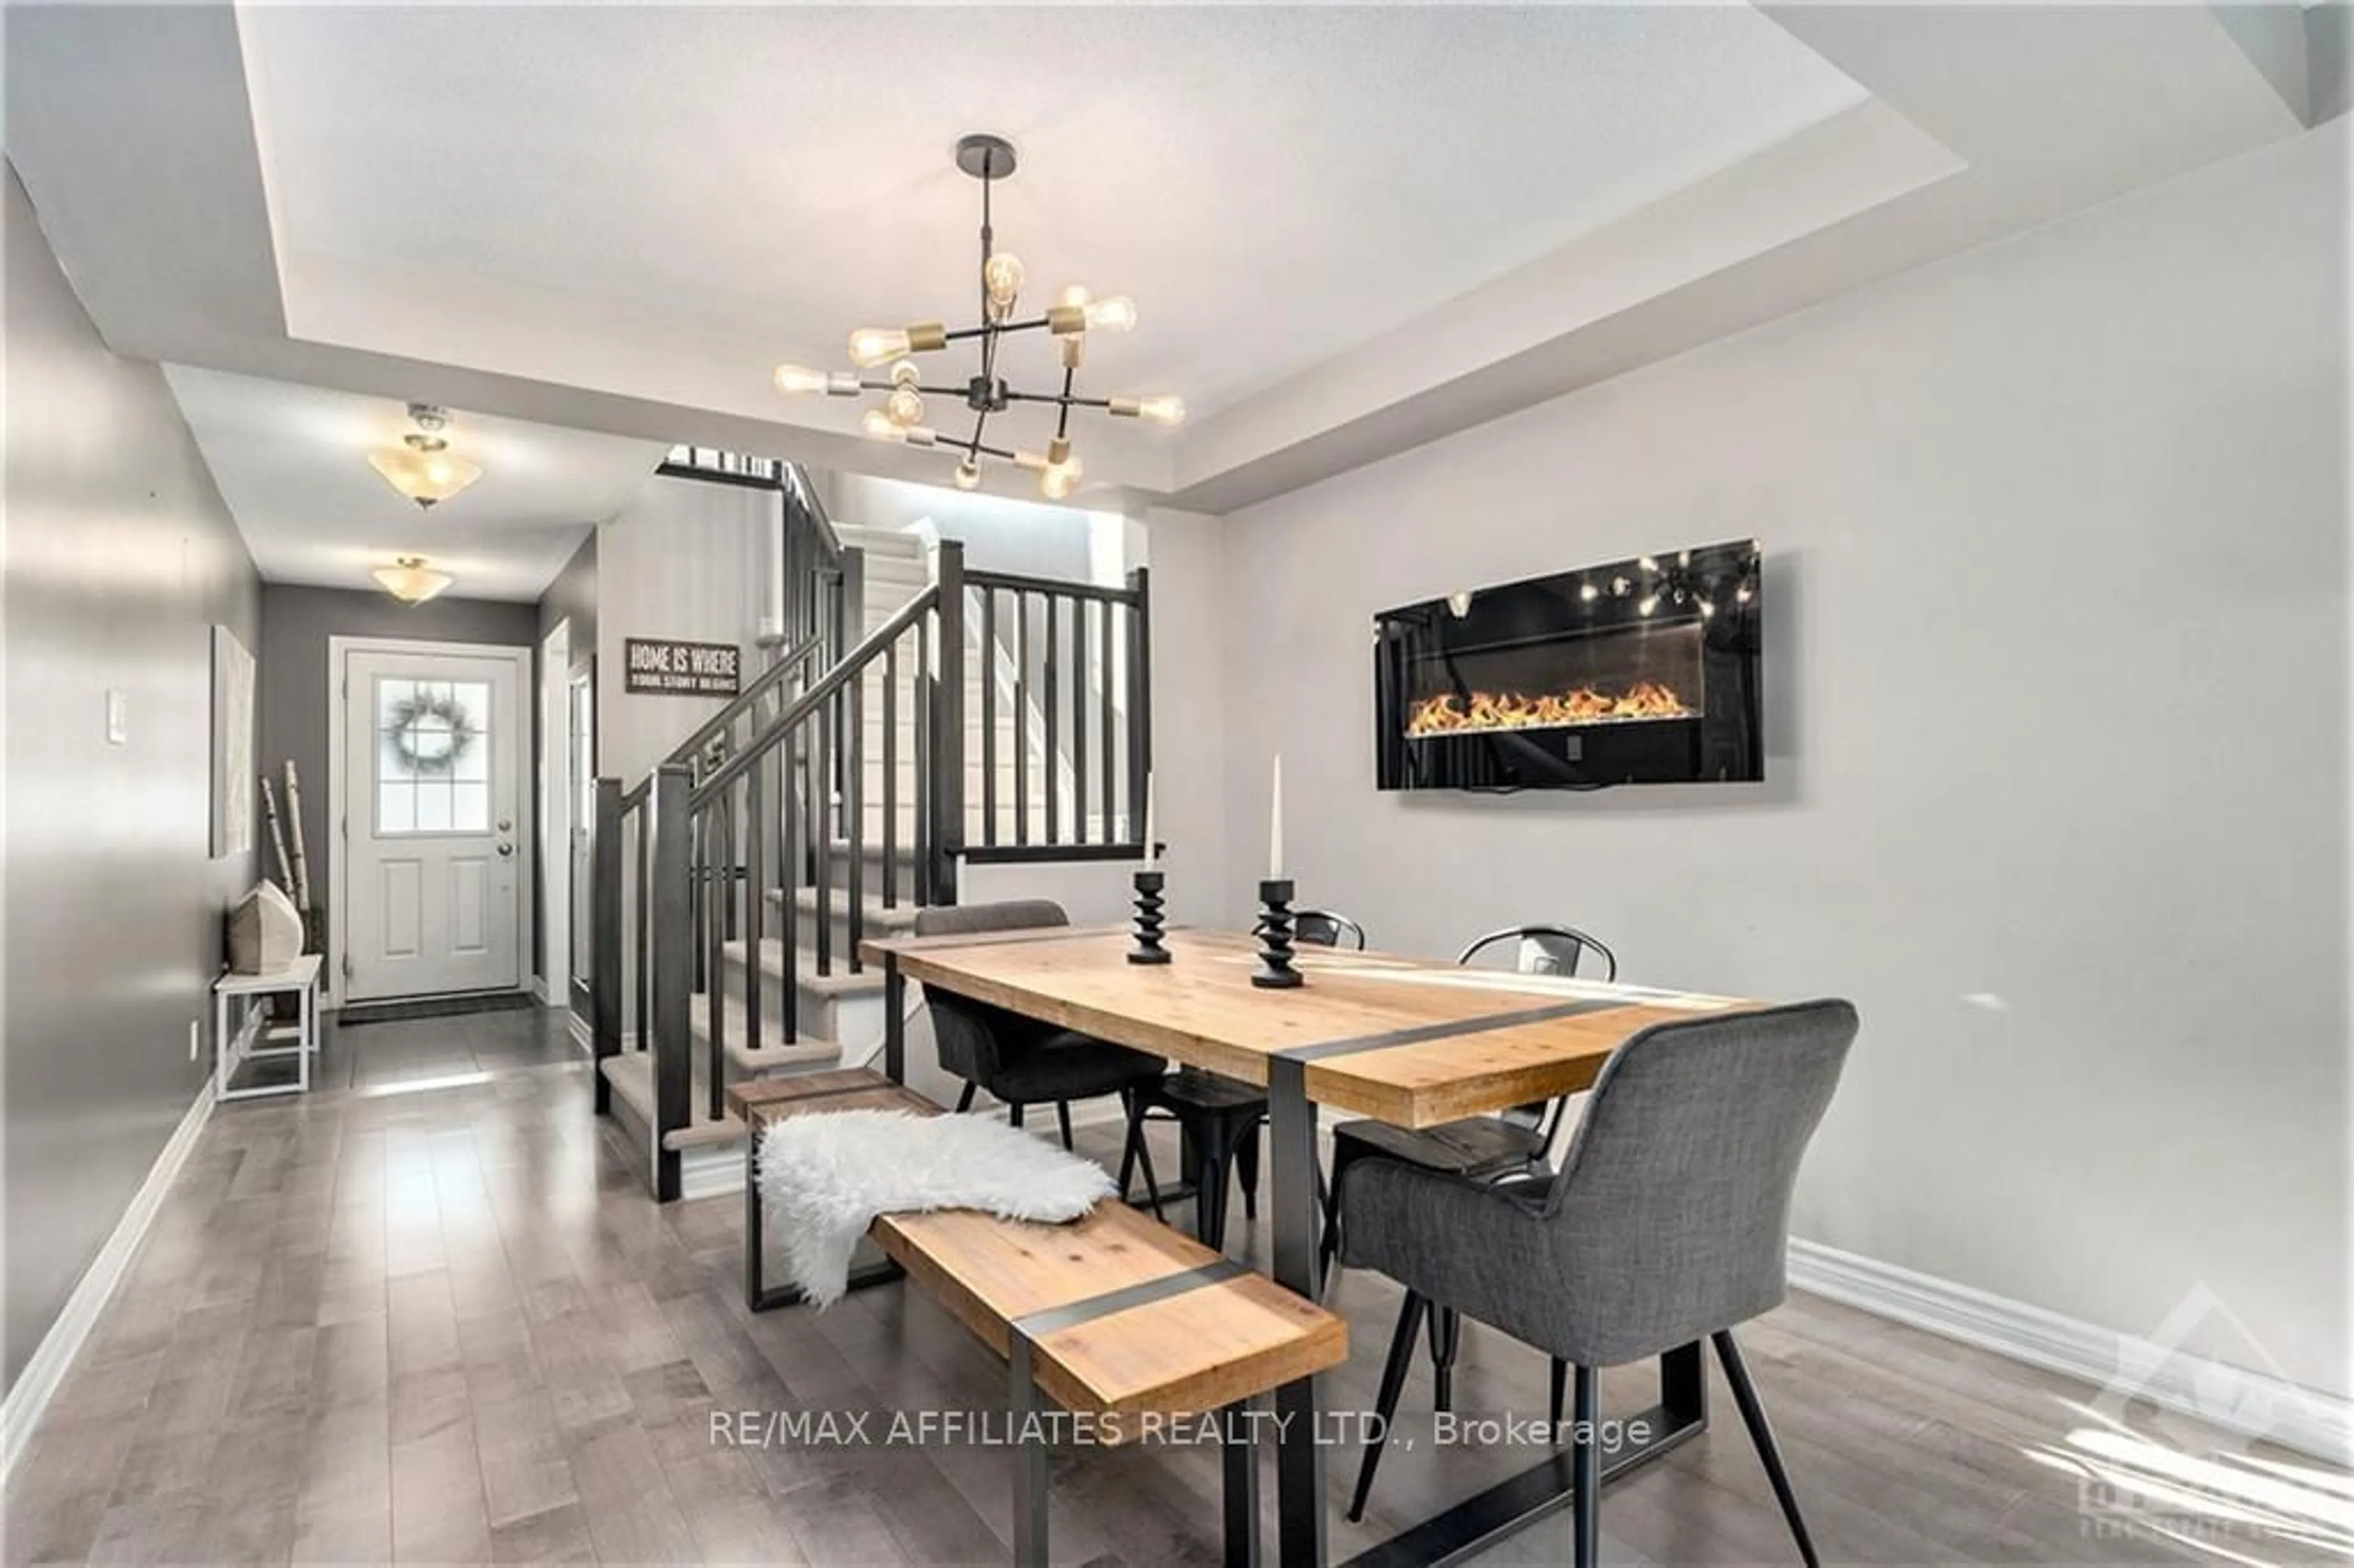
[2149, 1469]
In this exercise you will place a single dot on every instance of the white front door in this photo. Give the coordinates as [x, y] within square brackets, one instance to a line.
[433, 774]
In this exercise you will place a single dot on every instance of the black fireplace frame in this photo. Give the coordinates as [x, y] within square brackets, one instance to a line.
[1637, 613]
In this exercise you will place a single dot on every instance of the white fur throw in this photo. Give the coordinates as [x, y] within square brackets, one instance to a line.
[824, 1178]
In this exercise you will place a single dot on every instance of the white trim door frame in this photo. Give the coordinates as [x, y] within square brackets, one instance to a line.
[555, 957]
[339, 787]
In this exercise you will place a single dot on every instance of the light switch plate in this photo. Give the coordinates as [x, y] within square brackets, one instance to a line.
[118, 718]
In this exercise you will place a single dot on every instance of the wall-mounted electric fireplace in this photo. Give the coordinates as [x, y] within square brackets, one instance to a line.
[1638, 671]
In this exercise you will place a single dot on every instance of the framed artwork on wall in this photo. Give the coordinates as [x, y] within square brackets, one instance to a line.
[233, 772]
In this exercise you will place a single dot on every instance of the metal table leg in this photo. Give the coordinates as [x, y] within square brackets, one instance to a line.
[1299, 1463]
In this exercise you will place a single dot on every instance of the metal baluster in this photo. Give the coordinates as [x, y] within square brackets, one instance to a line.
[755, 898]
[1052, 765]
[821, 844]
[948, 721]
[854, 812]
[1109, 712]
[923, 761]
[717, 877]
[789, 873]
[989, 715]
[1079, 721]
[639, 942]
[891, 776]
[1022, 718]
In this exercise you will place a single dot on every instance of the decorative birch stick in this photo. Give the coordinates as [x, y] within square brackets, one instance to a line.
[277, 836]
[302, 861]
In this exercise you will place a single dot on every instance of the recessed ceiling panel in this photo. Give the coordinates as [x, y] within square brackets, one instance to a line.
[1272, 184]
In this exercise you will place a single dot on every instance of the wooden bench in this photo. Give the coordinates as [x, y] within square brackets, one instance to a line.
[1115, 1317]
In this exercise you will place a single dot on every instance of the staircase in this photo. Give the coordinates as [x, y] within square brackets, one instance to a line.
[917, 716]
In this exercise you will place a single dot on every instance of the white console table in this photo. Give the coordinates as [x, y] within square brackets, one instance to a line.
[236, 994]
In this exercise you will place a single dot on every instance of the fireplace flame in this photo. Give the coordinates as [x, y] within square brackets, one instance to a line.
[1448, 713]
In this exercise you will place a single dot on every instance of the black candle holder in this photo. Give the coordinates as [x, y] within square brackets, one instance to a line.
[1148, 949]
[1275, 971]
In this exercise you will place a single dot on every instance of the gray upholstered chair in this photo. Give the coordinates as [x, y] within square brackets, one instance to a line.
[1668, 1223]
[1021, 1061]
[1483, 1147]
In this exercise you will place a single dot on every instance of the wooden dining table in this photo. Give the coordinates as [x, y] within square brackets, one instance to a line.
[1406, 1041]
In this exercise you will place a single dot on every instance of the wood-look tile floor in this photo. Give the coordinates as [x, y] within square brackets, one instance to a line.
[448, 1326]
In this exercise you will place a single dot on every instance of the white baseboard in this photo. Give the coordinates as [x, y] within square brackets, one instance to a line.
[2257, 1404]
[538, 989]
[582, 1036]
[22, 1411]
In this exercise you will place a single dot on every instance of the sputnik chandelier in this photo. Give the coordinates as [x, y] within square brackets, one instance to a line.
[1074, 313]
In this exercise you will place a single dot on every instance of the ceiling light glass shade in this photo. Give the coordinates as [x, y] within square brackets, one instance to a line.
[410, 581]
[870, 347]
[904, 405]
[1073, 294]
[968, 475]
[424, 469]
[1116, 313]
[801, 379]
[1002, 276]
[1057, 480]
[1160, 409]
[881, 426]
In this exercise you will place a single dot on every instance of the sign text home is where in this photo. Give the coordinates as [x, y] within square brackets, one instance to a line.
[668, 667]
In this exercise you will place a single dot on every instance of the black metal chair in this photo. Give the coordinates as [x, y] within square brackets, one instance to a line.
[1023, 1061]
[1668, 1223]
[1218, 1117]
[1480, 1148]
[1325, 928]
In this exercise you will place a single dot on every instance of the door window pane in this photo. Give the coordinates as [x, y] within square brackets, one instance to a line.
[396, 808]
[433, 756]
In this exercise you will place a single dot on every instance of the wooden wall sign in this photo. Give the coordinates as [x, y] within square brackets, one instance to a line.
[669, 667]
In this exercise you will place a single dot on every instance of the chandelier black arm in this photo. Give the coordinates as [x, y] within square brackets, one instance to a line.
[974, 447]
[1065, 398]
[989, 329]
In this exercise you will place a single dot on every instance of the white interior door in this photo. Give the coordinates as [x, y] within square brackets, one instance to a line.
[434, 752]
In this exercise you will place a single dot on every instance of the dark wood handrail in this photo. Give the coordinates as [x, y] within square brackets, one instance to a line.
[1015, 582]
[845, 669]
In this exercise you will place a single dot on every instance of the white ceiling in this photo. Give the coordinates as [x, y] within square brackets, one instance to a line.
[1351, 229]
[1272, 184]
[291, 464]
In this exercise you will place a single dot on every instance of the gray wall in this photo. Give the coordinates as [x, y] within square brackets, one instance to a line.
[120, 558]
[295, 625]
[2058, 707]
[573, 597]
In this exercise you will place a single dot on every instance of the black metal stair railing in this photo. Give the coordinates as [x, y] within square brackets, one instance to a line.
[790, 806]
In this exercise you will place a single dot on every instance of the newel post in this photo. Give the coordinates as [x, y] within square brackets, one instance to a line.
[947, 723]
[671, 935]
[605, 969]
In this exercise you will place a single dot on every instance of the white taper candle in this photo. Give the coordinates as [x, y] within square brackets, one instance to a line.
[1275, 825]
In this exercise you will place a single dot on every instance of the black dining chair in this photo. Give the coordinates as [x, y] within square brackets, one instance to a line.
[1219, 1118]
[1668, 1223]
[1327, 929]
[1021, 1061]
[1479, 1147]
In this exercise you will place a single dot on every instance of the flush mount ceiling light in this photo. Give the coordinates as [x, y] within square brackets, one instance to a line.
[410, 581]
[422, 467]
[1073, 315]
